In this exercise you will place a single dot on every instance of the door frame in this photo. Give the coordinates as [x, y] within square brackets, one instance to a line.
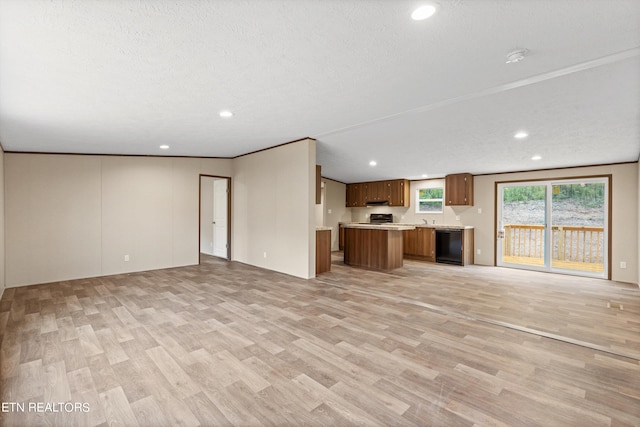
[229, 190]
[546, 232]
[607, 177]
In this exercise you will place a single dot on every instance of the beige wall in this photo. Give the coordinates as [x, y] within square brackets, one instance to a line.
[70, 216]
[638, 255]
[274, 209]
[2, 233]
[624, 219]
[335, 210]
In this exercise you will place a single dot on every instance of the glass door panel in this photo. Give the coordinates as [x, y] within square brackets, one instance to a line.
[578, 218]
[559, 226]
[522, 214]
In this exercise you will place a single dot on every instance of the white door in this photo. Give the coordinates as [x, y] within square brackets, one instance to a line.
[220, 219]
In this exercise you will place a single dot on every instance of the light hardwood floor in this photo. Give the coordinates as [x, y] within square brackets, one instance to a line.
[228, 344]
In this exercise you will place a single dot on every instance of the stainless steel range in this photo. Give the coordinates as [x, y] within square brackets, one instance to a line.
[377, 218]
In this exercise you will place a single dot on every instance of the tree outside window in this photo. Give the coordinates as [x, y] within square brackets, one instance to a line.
[429, 200]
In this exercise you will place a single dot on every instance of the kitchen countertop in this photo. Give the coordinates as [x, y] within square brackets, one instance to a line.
[395, 226]
[386, 226]
[323, 228]
[445, 227]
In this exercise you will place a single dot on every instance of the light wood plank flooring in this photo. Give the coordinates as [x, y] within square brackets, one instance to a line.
[589, 267]
[228, 344]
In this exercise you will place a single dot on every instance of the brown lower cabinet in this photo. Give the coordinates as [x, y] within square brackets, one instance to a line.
[340, 237]
[420, 243]
[323, 251]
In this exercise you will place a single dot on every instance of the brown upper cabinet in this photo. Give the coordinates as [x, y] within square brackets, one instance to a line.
[459, 189]
[399, 192]
[395, 192]
[377, 191]
[356, 195]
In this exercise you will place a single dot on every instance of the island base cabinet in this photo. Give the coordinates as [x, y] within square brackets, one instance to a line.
[373, 249]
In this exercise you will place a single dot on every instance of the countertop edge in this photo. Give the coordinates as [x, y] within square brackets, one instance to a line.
[387, 227]
[412, 226]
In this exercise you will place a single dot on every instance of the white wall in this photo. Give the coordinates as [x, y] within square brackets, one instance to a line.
[638, 255]
[335, 210]
[75, 216]
[274, 209]
[320, 209]
[2, 234]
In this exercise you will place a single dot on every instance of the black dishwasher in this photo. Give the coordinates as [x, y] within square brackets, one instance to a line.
[449, 246]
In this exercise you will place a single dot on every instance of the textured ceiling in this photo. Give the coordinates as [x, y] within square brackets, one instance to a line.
[429, 97]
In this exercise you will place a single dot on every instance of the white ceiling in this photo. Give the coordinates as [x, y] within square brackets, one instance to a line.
[429, 97]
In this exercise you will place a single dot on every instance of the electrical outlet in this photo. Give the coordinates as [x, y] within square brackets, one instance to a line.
[478, 251]
[264, 254]
[126, 258]
[479, 210]
[329, 211]
[623, 264]
[457, 217]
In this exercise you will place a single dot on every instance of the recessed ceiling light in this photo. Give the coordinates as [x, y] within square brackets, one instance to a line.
[226, 114]
[423, 12]
[373, 163]
[424, 175]
[164, 147]
[536, 157]
[521, 135]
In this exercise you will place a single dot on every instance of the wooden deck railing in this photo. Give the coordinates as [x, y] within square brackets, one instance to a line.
[570, 243]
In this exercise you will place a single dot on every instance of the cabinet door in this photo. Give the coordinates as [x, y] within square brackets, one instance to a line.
[375, 191]
[426, 242]
[409, 243]
[420, 242]
[350, 199]
[398, 191]
[370, 191]
[356, 195]
[340, 237]
[459, 189]
[360, 195]
[430, 243]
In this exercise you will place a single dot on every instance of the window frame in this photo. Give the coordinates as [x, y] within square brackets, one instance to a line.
[441, 200]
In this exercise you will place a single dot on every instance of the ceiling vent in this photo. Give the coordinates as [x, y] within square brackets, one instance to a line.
[516, 55]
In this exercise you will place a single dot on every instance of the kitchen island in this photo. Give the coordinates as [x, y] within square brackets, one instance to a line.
[377, 247]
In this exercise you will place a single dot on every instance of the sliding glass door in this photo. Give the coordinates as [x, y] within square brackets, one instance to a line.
[523, 225]
[559, 226]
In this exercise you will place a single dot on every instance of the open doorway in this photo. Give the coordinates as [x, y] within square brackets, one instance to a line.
[215, 216]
